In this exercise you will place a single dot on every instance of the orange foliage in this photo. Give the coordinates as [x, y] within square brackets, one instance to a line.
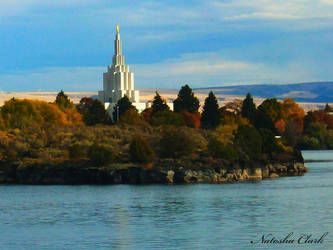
[292, 111]
[191, 119]
[73, 117]
[280, 125]
[322, 117]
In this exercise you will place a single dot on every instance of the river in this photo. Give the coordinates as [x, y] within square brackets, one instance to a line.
[194, 216]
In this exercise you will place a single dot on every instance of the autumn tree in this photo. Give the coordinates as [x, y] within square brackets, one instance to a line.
[292, 111]
[186, 101]
[191, 120]
[131, 117]
[210, 117]
[28, 113]
[84, 104]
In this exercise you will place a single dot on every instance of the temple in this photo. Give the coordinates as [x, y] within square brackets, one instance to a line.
[118, 81]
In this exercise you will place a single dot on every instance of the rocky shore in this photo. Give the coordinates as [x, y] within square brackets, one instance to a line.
[166, 171]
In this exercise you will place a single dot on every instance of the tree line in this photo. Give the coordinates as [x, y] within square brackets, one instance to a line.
[239, 131]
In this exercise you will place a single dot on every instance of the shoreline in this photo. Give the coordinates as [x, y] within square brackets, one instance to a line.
[79, 173]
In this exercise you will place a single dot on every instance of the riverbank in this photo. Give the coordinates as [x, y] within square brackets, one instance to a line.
[166, 171]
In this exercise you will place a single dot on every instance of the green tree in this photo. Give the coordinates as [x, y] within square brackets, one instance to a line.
[121, 107]
[210, 117]
[273, 108]
[249, 141]
[248, 107]
[327, 108]
[140, 150]
[63, 101]
[96, 114]
[263, 121]
[159, 104]
[186, 101]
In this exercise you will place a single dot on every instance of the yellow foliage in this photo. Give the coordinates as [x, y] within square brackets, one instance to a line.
[17, 113]
[73, 117]
[226, 129]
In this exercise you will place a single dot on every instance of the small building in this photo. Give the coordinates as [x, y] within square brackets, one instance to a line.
[118, 81]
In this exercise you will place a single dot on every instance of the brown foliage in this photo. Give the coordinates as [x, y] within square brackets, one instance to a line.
[192, 120]
[147, 113]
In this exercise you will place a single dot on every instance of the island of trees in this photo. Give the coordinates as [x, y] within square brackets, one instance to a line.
[63, 143]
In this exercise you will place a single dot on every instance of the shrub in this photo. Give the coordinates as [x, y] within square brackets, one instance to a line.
[140, 150]
[221, 149]
[77, 151]
[176, 143]
[167, 118]
[131, 117]
[308, 142]
[101, 154]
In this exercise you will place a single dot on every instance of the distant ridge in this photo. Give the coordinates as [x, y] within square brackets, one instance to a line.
[301, 92]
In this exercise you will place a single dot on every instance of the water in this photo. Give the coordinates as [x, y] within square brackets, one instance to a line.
[199, 216]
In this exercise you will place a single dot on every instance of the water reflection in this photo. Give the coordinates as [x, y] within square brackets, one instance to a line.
[166, 216]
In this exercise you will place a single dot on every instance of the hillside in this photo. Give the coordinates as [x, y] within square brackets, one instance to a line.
[301, 92]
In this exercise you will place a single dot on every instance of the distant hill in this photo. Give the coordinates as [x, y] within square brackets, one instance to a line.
[301, 92]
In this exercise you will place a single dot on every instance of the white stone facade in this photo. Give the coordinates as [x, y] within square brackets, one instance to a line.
[118, 81]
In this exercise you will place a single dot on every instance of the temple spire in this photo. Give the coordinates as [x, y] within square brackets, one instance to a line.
[118, 59]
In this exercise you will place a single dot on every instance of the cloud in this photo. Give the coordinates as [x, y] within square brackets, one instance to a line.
[68, 33]
[198, 69]
[53, 79]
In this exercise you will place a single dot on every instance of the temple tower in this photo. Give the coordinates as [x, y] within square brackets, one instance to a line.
[118, 80]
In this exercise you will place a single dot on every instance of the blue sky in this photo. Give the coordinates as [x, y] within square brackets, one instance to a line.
[67, 44]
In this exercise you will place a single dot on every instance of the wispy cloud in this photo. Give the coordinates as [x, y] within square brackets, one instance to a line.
[170, 42]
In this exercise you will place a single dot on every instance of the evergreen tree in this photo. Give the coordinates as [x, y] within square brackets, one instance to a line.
[121, 107]
[248, 107]
[63, 101]
[96, 114]
[327, 108]
[210, 117]
[159, 104]
[186, 101]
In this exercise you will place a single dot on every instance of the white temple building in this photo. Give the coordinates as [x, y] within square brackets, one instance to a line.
[118, 81]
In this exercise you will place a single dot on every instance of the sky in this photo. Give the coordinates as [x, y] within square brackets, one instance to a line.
[67, 44]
